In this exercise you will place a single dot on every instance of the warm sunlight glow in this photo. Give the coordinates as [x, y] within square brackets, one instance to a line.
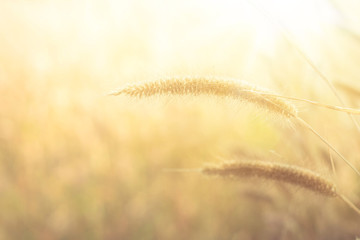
[206, 119]
[299, 17]
[269, 20]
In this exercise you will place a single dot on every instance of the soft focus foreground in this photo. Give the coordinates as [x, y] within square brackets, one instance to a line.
[76, 163]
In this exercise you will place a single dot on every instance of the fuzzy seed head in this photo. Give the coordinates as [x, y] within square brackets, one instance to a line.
[274, 171]
[212, 86]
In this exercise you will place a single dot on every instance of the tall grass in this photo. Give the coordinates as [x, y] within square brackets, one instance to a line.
[214, 86]
[75, 164]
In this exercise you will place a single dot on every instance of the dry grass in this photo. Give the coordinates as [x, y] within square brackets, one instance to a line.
[212, 86]
[274, 171]
[220, 87]
[75, 164]
[278, 172]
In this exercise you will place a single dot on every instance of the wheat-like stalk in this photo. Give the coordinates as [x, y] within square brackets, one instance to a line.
[279, 172]
[212, 86]
[273, 171]
[221, 87]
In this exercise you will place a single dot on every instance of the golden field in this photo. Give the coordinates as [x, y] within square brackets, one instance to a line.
[76, 163]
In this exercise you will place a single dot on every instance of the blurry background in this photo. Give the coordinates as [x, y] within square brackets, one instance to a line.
[78, 164]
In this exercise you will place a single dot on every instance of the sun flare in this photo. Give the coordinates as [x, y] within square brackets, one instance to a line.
[269, 20]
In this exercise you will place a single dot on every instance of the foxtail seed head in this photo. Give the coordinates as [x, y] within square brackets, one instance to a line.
[274, 171]
[212, 86]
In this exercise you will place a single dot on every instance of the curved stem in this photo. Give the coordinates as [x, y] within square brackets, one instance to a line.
[328, 144]
[332, 107]
[349, 203]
